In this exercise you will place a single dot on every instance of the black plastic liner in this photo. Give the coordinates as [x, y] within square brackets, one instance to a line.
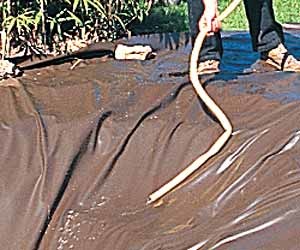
[82, 149]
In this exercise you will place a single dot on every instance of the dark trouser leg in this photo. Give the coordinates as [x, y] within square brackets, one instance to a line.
[265, 32]
[212, 48]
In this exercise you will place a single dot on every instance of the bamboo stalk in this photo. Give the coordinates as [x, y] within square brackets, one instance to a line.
[9, 4]
[3, 42]
[7, 36]
[3, 33]
[214, 108]
[44, 19]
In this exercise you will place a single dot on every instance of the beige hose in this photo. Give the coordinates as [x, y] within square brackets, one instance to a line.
[215, 148]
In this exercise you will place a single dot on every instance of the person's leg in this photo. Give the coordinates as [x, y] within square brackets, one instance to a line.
[267, 35]
[212, 47]
[265, 32]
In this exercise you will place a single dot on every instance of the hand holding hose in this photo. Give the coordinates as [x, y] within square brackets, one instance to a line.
[209, 19]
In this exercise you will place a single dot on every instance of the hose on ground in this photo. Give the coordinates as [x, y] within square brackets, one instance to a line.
[213, 107]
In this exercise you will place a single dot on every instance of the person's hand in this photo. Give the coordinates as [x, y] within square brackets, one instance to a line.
[209, 17]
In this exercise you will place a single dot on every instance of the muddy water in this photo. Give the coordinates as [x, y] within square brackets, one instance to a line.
[82, 149]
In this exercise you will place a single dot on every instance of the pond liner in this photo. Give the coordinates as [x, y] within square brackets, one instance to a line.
[82, 149]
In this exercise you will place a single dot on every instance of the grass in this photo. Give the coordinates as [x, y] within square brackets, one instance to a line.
[175, 18]
[287, 11]
[237, 19]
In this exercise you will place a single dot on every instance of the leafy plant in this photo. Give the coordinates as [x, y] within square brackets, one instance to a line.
[44, 23]
[22, 23]
[162, 19]
[107, 19]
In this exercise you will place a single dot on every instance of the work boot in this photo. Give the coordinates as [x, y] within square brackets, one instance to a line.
[208, 67]
[281, 59]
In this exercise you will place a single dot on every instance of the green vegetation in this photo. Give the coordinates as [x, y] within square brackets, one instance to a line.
[44, 24]
[237, 20]
[175, 18]
[50, 25]
[287, 11]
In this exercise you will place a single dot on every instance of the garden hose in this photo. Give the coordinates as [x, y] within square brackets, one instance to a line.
[213, 107]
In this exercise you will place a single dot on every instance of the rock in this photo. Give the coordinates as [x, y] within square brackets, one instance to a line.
[8, 69]
[133, 52]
